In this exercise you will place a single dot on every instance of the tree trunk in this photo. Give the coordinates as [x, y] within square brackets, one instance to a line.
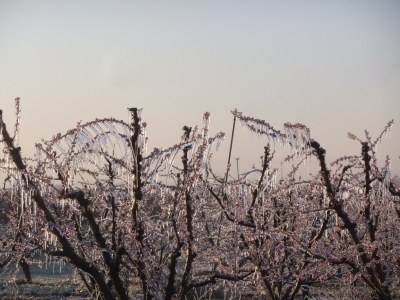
[26, 269]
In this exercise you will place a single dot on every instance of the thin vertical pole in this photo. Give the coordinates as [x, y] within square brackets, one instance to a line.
[230, 148]
[221, 216]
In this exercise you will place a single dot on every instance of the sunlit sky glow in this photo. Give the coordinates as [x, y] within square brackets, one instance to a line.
[332, 65]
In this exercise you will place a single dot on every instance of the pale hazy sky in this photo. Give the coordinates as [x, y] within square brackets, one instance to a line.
[332, 65]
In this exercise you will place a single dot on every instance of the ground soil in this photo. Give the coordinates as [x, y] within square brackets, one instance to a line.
[46, 284]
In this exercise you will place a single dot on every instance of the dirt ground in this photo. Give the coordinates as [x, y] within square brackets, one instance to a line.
[46, 284]
[59, 283]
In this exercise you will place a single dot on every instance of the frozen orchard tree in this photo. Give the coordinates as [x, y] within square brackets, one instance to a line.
[164, 225]
[349, 216]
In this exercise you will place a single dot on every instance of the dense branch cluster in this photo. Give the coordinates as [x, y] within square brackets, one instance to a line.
[164, 225]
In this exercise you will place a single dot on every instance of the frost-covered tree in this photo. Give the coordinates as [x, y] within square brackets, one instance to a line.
[275, 222]
[163, 224]
[15, 240]
[130, 222]
[356, 206]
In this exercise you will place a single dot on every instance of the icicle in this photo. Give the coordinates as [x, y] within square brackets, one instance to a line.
[12, 189]
[54, 263]
[29, 199]
[22, 202]
[45, 240]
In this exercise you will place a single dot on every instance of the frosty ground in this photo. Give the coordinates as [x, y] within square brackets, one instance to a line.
[50, 284]
[46, 284]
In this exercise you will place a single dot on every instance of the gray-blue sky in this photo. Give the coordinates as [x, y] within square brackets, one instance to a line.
[332, 65]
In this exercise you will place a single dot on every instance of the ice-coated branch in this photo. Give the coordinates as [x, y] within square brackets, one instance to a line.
[137, 189]
[384, 132]
[112, 262]
[296, 135]
[68, 249]
[259, 127]
[191, 254]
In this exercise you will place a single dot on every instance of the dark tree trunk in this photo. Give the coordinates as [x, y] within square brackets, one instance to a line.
[26, 269]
